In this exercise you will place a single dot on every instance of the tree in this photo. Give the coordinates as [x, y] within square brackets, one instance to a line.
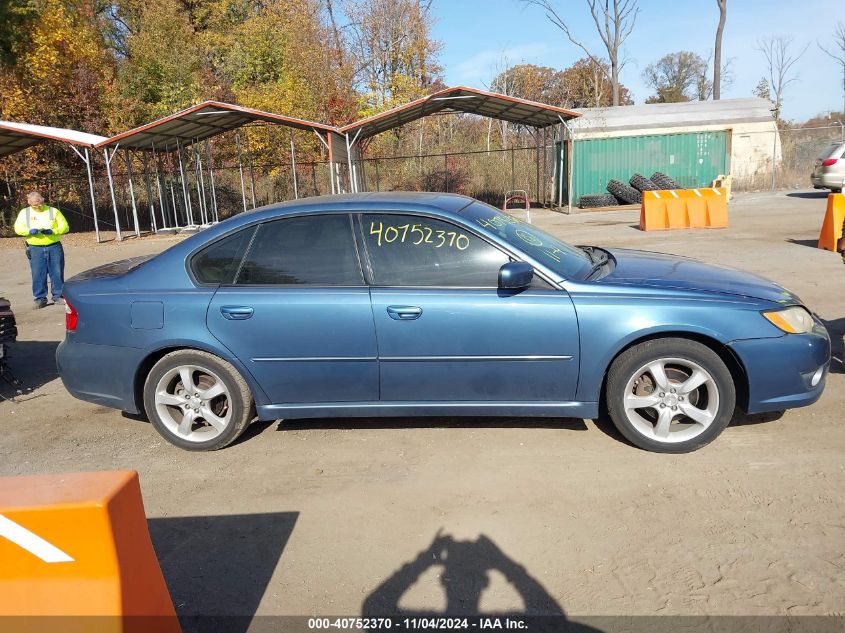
[16, 16]
[762, 89]
[839, 56]
[395, 56]
[585, 85]
[614, 20]
[780, 62]
[717, 55]
[676, 77]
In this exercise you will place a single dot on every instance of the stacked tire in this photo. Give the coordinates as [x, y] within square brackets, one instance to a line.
[8, 326]
[598, 200]
[628, 193]
[663, 181]
[625, 192]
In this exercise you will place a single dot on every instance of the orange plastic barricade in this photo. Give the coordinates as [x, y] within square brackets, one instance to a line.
[684, 209]
[832, 225]
[77, 546]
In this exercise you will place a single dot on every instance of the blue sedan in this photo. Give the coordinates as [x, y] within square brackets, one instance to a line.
[416, 304]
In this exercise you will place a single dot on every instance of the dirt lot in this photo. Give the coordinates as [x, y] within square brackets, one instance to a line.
[345, 516]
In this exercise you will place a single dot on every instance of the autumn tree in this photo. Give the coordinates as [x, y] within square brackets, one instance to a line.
[676, 77]
[585, 85]
[394, 54]
[16, 16]
[614, 21]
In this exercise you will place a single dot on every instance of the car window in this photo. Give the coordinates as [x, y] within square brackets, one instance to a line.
[566, 260]
[317, 250]
[835, 150]
[218, 262]
[406, 250]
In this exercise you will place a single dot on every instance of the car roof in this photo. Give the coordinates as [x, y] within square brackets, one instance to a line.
[441, 203]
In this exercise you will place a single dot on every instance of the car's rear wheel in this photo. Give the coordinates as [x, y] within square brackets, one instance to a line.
[670, 395]
[197, 401]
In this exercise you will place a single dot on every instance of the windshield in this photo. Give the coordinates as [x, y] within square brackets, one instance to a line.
[566, 260]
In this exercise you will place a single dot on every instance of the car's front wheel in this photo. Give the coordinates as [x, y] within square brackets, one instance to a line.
[670, 395]
[197, 401]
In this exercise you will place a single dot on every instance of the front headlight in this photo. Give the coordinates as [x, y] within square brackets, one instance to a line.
[794, 320]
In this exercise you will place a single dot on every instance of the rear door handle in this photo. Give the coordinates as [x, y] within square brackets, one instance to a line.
[236, 313]
[404, 313]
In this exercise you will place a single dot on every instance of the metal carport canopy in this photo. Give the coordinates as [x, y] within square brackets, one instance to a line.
[200, 122]
[462, 99]
[16, 137]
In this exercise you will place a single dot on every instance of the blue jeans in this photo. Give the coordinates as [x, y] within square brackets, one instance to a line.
[46, 260]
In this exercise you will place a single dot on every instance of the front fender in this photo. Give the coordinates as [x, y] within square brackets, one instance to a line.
[610, 322]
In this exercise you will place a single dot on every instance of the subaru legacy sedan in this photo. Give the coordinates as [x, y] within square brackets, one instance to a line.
[418, 304]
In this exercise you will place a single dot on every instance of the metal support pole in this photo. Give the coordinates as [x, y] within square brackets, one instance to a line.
[211, 179]
[569, 163]
[200, 186]
[513, 169]
[241, 168]
[119, 237]
[161, 201]
[545, 167]
[251, 172]
[774, 156]
[150, 203]
[445, 173]
[189, 213]
[87, 160]
[128, 160]
[293, 168]
[537, 164]
[378, 177]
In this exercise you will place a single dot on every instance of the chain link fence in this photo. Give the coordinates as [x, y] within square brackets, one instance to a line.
[782, 159]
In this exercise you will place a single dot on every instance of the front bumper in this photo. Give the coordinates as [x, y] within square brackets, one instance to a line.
[781, 371]
[102, 374]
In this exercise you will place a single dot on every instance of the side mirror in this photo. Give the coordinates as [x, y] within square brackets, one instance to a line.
[516, 275]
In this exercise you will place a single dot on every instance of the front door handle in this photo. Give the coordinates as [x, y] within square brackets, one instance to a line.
[404, 313]
[236, 313]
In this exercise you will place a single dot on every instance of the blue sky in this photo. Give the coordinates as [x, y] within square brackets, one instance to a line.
[478, 34]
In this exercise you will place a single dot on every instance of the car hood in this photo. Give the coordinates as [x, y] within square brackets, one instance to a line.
[659, 270]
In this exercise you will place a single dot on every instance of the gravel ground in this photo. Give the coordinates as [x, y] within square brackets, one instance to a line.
[549, 516]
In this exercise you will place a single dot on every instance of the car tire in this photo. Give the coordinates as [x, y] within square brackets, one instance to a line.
[209, 416]
[625, 192]
[634, 379]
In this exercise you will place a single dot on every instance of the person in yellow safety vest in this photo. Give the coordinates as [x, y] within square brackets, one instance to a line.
[43, 227]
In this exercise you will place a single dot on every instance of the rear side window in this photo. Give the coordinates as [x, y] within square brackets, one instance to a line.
[317, 250]
[836, 150]
[218, 262]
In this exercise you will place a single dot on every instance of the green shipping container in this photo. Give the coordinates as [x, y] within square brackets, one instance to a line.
[692, 159]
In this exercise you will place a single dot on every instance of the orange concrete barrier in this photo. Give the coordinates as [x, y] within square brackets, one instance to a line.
[832, 225]
[684, 209]
[77, 545]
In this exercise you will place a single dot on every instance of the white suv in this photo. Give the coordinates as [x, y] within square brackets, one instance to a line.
[829, 172]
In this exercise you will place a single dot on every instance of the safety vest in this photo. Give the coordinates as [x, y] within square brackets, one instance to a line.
[52, 219]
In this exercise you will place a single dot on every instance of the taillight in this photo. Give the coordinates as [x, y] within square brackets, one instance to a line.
[71, 317]
[827, 162]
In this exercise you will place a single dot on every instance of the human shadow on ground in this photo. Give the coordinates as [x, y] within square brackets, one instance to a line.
[217, 568]
[465, 573]
[810, 243]
[33, 363]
